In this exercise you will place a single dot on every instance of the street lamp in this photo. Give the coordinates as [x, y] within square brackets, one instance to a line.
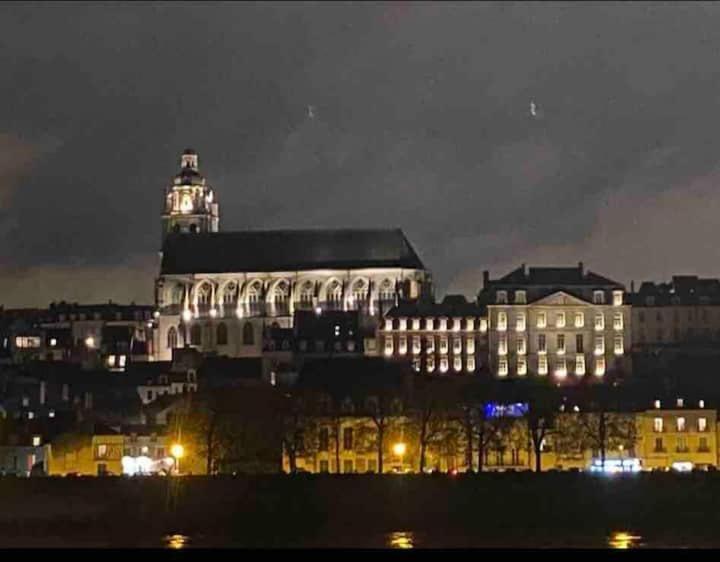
[399, 450]
[177, 451]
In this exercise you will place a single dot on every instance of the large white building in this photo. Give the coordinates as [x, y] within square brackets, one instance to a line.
[217, 291]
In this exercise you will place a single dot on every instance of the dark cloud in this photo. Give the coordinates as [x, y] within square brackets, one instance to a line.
[421, 119]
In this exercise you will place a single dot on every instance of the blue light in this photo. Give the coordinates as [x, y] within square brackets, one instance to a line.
[515, 410]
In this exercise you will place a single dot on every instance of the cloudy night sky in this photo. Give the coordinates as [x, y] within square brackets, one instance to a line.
[420, 118]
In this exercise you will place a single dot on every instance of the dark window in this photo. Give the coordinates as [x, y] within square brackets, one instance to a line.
[579, 343]
[641, 316]
[348, 438]
[193, 228]
[324, 439]
[176, 228]
[541, 342]
[561, 341]
[195, 335]
[248, 334]
[149, 394]
[324, 466]
[222, 334]
[658, 444]
[347, 466]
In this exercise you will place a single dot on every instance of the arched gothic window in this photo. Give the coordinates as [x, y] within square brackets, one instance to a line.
[334, 293]
[359, 291]
[248, 334]
[230, 294]
[195, 335]
[172, 338]
[307, 292]
[387, 290]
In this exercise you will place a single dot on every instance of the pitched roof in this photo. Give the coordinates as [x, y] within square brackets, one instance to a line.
[554, 276]
[452, 306]
[287, 250]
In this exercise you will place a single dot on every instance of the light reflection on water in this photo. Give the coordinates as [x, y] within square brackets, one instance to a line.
[401, 539]
[623, 540]
[176, 541]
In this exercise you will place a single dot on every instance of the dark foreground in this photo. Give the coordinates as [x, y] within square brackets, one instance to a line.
[489, 510]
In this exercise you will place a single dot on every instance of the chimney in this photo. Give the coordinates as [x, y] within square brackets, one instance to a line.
[524, 268]
[486, 278]
[581, 267]
[43, 391]
[65, 392]
[632, 286]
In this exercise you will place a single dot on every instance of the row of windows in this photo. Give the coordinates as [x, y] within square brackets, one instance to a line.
[561, 367]
[501, 297]
[360, 465]
[703, 315]
[442, 364]
[680, 424]
[440, 324]
[416, 345]
[137, 315]
[682, 445]
[560, 320]
[221, 332]
[560, 344]
[677, 334]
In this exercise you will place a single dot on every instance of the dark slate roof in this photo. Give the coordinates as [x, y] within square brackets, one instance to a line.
[287, 250]
[554, 276]
[682, 290]
[452, 306]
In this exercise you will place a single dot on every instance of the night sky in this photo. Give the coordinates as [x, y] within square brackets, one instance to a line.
[363, 115]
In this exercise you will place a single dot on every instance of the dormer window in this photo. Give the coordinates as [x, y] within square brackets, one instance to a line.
[598, 297]
[520, 297]
[501, 297]
[617, 298]
[650, 301]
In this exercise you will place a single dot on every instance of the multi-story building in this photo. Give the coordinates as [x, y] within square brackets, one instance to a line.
[218, 291]
[684, 312]
[448, 337]
[564, 322]
[97, 336]
[679, 436]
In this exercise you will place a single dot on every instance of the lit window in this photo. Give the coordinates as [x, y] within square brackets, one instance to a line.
[580, 365]
[520, 322]
[457, 363]
[121, 360]
[658, 425]
[702, 424]
[617, 298]
[561, 344]
[681, 424]
[470, 346]
[599, 366]
[416, 323]
[31, 415]
[430, 345]
[483, 325]
[443, 324]
[598, 297]
[53, 342]
[520, 297]
[388, 324]
[701, 404]
[470, 364]
[51, 414]
[521, 345]
[36, 441]
[618, 321]
[469, 324]
[542, 345]
[416, 345]
[501, 297]
[28, 342]
[657, 404]
[522, 366]
[443, 364]
[403, 324]
[502, 367]
[560, 368]
[102, 450]
[599, 322]
[430, 364]
[560, 320]
[456, 324]
[25, 401]
[680, 402]
[402, 345]
[388, 345]
[502, 345]
[599, 345]
[428, 323]
[457, 345]
[542, 365]
[619, 347]
[443, 345]
[111, 360]
[501, 321]
[579, 319]
[542, 320]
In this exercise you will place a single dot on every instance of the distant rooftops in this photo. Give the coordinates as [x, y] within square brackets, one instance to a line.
[552, 276]
[682, 290]
[452, 306]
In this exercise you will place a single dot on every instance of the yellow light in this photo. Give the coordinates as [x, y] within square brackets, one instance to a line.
[90, 342]
[623, 540]
[186, 315]
[177, 451]
[399, 449]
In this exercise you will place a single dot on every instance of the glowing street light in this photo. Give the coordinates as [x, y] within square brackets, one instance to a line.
[186, 315]
[178, 452]
[399, 449]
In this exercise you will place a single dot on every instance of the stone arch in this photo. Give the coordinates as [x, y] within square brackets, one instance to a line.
[195, 334]
[359, 288]
[172, 338]
[248, 337]
[202, 293]
[229, 293]
[332, 291]
[306, 292]
[222, 334]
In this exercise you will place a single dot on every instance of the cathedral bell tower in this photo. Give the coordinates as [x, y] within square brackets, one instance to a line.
[190, 204]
